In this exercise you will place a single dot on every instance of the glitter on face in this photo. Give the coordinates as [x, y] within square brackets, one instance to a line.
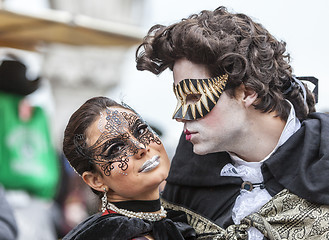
[100, 122]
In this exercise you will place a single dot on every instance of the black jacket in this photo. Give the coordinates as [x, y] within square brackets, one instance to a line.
[301, 165]
[117, 227]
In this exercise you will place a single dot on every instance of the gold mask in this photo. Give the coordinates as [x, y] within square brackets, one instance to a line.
[209, 91]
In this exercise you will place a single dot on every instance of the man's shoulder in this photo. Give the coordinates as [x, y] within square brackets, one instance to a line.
[320, 116]
[301, 163]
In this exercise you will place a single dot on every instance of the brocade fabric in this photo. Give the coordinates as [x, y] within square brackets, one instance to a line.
[286, 216]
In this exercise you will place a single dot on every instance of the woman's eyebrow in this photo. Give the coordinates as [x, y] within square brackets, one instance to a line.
[104, 141]
[108, 143]
[136, 123]
[105, 146]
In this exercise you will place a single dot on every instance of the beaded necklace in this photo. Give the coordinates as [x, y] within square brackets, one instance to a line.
[141, 215]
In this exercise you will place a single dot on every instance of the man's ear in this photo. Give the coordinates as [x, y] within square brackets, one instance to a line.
[94, 180]
[249, 98]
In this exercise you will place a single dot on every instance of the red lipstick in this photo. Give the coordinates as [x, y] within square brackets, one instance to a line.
[188, 135]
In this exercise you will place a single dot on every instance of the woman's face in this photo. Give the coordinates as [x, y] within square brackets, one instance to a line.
[129, 155]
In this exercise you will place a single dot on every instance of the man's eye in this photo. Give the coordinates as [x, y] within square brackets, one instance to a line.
[114, 149]
[192, 98]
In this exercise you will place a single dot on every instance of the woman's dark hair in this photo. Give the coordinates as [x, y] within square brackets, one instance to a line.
[78, 124]
[228, 43]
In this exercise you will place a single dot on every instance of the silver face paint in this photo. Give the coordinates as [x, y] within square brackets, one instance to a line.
[100, 122]
[208, 90]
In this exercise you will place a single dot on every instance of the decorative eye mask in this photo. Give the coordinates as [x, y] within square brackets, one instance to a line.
[208, 89]
[123, 135]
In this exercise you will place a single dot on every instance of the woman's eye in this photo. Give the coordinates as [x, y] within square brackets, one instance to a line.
[142, 129]
[115, 149]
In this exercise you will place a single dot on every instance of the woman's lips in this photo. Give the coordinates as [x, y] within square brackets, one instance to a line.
[150, 164]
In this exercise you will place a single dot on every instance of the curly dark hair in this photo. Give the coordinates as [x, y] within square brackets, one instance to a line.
[228, 43]
[78, 124]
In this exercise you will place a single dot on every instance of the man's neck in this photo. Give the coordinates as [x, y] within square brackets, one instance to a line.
[264, 131]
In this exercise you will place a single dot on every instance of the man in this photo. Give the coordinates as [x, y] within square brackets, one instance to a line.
[252, 141]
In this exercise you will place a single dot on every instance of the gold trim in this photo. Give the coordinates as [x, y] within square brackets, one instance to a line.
[201, 224]
[285, 216]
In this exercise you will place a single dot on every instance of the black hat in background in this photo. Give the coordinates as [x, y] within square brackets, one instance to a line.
[13, 78]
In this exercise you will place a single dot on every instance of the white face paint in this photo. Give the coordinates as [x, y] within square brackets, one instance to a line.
[223, 127]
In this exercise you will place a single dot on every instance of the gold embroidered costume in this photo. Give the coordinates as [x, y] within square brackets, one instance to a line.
[285, 217]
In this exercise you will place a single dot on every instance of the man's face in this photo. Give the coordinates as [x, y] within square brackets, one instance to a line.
[218, 130]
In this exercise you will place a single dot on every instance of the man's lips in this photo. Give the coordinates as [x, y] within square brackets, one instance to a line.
[188, 134]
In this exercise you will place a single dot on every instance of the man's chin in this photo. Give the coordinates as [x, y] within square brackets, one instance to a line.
[199, 151]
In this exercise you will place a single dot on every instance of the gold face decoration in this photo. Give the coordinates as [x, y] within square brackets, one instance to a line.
[197, 97]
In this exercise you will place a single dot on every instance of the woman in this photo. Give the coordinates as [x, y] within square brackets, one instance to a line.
[124, 162]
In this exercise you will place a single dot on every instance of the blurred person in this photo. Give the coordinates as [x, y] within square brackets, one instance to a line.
[123, 161]
[28, 161]
[74, 197]
[8, 226]
[254, 152]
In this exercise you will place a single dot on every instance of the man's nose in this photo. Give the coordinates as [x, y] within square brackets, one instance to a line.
[182, 120]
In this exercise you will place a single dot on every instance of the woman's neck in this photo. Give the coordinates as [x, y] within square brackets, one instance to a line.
[145, 196]
[139, 205]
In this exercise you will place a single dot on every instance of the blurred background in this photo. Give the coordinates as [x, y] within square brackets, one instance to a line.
[84, 48]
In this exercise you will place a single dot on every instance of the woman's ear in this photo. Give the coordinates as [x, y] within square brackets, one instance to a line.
[94, 180]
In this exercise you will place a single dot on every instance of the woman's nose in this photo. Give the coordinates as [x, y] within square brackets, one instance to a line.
[141, 152]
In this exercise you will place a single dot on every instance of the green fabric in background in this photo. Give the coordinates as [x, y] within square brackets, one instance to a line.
[28, 160]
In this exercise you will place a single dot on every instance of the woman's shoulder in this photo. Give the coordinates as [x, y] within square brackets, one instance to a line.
[82, 227]
[109, 226]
